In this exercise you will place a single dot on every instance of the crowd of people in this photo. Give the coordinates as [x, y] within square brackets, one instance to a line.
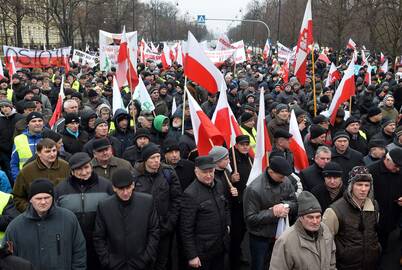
[128, 190]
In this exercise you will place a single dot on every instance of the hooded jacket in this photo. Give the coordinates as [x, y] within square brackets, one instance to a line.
[125, 137]
[7, 125]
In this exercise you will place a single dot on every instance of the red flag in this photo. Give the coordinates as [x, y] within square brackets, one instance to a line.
[58, 109]
[199, 68]
[367, 76]
[206, 135]
[305, 40]
[267, 49]
[333, 75]
[351, 44]
[382, 58]
[345, 90]
[284, 70]
[324, 58]
[166, 57]
[384, 67]
[11, 68]
[364, 59]
[126, 71]
[296, 144]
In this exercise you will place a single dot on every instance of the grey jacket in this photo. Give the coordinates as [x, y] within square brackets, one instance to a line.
[52, 242]
[259, 198]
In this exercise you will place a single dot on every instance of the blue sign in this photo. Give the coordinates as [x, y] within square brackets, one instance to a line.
[200, 18]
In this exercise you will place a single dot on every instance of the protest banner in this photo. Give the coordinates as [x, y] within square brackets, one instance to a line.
[84, 58]
[28, 58]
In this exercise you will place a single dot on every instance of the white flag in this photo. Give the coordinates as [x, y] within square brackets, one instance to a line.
[117, 101]
[174, 106]
[141, 94]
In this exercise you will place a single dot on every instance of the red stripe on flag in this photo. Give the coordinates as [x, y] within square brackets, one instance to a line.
[198, 73]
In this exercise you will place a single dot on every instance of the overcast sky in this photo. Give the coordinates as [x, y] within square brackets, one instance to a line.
[216, 9]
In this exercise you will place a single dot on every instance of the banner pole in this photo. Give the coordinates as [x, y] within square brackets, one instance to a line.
[314, 90]
[184, 104]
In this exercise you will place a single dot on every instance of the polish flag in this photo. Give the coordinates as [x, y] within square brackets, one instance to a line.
[263, 144]
[351, 44]
[154, 49]
[1, 70]
[284, 70]
[11, 68]
[345, 90]
[206, 135]
[382, 58]
[126, 71]
[323, 57]
[117, 101]
[333, 75]
[142, 49]
[225, 121]
[166, 59]
[199, 68]
[305, 40]
[367, 76]
[179, 54]
[296, 144]
[267, 50]
[384, 67]
[364, 59]
[59, 105]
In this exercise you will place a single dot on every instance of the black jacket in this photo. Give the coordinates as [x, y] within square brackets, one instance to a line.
[358, 143]
[132, 154]
[126, 234]
[164, 186]
[72, 144]
[125, 137]
[204, 218]
[347, 161]
[10, 262]
[185, 172]
[7, 125]
[370, 128]
[244, 164]
[82, 198]
[383, 136]
[311, 177]
[323, 197]
[186, 144]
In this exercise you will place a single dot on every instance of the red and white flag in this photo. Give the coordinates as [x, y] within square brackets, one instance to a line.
[154, 49]
[11, 68]
[267, 50]
[364, 59]
[263, 144]
[284, 70]
[166, 57]
[59, 105]
[1, 70]
[296, 145]
[351, 44]
[206, 135]
[384, 67]
[333, 75]
[382, 58]
[126, 71]
[345, 90]
[225, 121]
[323, 57]
[199, 68]
[367, 76]
[179, 54]
[305, 40]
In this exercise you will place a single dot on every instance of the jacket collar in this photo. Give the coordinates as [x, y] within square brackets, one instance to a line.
[41, 166]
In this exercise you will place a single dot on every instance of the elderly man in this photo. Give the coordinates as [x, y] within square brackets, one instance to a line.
[308, 244]
[46, 164]
[81, 193]
[104, 162]
[126, 228]
[312, 176]
[353, 220]
[265, 200]
[205, 219]
[48, 236]
[69, 106]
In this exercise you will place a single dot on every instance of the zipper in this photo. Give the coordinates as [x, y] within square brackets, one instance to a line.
[82, 202]
[58, 244]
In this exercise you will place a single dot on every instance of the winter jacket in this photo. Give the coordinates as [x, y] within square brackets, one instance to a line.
[370, 128]
[186, 144]
[311, 177]
[113, 165]
[164, 186]
[58, 172]
[85, 116]
[4, 183]
[274, 125]
[52, 242]
[74, 144]
[244, 163]
[126, 234]
[394, 144]
[384, 137]
[297, 250]
[204, 220]
[354, 229]
[322, 194]
[359, 143]
[11, 262]
[132, 154]
[259, 198]
[185, 172]
[347, 161]
[7, 125]
[125, 137]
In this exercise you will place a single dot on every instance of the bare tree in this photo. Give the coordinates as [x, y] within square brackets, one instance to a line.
[63, 13]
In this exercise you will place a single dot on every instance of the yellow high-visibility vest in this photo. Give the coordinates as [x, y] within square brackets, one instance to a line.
[22, 147]
[254, 135]
[4, 198]
[76, 86]
[10, 94]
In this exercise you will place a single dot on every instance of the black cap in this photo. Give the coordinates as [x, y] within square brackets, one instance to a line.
[149, 150]
[50, 134]
[40, 185]
[373, 111]
[243, 139]
[246, 117]
[33, 115]
[78, 160]
[100, 144]
[28, 105]
[376, 143]
[351, 120]
[280, 165]
[320, 119]
[170, 145]
[340, 134]
[142, 132]
[71, 118]
[316, 131]
[92, 93]
[396, 156]
[281, 133]
[122, 178]
[204, 163]
[332, 169]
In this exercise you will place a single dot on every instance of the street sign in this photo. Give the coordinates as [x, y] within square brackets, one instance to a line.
[201, 19]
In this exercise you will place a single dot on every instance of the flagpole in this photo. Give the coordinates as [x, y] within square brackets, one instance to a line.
[184, 104]
[234, 159]
[314, 90]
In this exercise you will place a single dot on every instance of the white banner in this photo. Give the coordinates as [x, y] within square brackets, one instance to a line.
[84, 58]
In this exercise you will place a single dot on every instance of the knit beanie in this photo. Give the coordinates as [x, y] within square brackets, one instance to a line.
[316, 131]
[40, 185]
[148, 150]
[308, 204]
[340, 134]
[373, 111]
[218, 153]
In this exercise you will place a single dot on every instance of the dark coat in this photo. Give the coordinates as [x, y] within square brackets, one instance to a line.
[185, 172]
[7, 125]
[204, 218]
[288, 155]
[126, 234]
[323, 197]
[132, 154]
[358, 143]
[370, 128]
[311, 177]
[186, 145]
[82, 198]
[126, 137]
[72, 144]
[244, 164]
[10, 262]
[385, 137]
[54, 241]
[116, 145]
[259, 197]
[387, 190]
[164, 186]
[347, 161]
